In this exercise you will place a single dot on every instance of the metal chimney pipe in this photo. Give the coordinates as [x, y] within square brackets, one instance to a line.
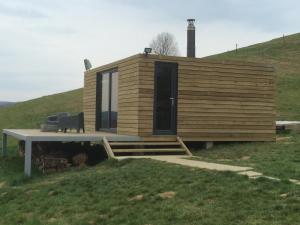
[191, 48]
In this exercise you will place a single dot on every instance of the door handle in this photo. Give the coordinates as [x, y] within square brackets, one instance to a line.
[172, 101]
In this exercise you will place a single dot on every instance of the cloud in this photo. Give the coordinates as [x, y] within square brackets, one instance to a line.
[21, 11]
[54, 30]
[263, 14]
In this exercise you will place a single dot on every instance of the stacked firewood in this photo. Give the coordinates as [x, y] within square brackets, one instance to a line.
[47, 158]
[54, 157]
[51, 163]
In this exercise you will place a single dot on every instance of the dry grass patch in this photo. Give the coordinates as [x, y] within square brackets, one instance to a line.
[167, 195]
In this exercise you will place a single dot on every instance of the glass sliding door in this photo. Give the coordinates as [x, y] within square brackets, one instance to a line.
[107, 101]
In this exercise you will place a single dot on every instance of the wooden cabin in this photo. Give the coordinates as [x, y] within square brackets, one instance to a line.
[157, 97]
[157, 102]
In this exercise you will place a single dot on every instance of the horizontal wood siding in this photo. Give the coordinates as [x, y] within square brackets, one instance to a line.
[128, 95]
[128, 98]
[89, 101]
[217, 101]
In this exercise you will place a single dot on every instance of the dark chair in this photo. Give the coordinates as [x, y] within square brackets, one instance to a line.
[51, 124]
[54, 119]
[72, 122]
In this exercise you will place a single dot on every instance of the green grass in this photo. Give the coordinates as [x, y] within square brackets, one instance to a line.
[101, 195]
[278, 159]
[285, 57]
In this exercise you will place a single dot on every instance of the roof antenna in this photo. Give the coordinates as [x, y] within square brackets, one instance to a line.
[87, 64]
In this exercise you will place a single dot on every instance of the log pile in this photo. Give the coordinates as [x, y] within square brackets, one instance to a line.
[51, 157]
[48, 164]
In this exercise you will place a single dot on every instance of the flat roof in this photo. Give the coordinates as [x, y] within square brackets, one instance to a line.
[113, 64]
[37, 135]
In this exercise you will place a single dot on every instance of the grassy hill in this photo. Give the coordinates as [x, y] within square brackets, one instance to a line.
[5, 104]
[132, 192]
[30, 114]
[284, 54]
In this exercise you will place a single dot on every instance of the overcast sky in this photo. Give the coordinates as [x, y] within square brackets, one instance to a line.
[43, 42]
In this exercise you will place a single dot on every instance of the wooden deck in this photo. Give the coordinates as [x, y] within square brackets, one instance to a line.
[112, 143]
[37, 135]
[33, 135]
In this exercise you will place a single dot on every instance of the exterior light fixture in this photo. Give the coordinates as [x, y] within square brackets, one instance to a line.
[147, 51]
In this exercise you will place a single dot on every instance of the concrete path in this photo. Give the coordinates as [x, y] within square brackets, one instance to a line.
[188, 161]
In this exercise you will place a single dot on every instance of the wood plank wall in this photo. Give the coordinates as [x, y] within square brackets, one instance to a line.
[128, 95]
[89, 101]
[217, 101]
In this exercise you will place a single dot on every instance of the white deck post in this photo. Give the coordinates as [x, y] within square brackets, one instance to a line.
[4, 144]
[27, 165]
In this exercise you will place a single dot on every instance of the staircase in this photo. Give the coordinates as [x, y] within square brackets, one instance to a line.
[133, 148]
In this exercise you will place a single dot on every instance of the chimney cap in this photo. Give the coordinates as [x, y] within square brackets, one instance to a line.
[190, 20]
[191, 25]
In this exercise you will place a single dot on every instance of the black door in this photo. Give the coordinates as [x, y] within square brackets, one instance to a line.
[165, 98]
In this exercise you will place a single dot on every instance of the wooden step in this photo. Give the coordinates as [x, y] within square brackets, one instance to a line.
[142, 143]
[160, 138]
[148, 150]
[163, 146]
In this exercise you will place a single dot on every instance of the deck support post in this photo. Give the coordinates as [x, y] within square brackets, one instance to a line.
[4, 144]
[27, 164]
[209, 145]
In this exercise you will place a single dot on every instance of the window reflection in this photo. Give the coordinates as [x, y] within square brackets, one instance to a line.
[107, 101]
[114, 100]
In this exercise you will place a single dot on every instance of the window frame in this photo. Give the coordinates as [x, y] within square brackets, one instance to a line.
[99, 76]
